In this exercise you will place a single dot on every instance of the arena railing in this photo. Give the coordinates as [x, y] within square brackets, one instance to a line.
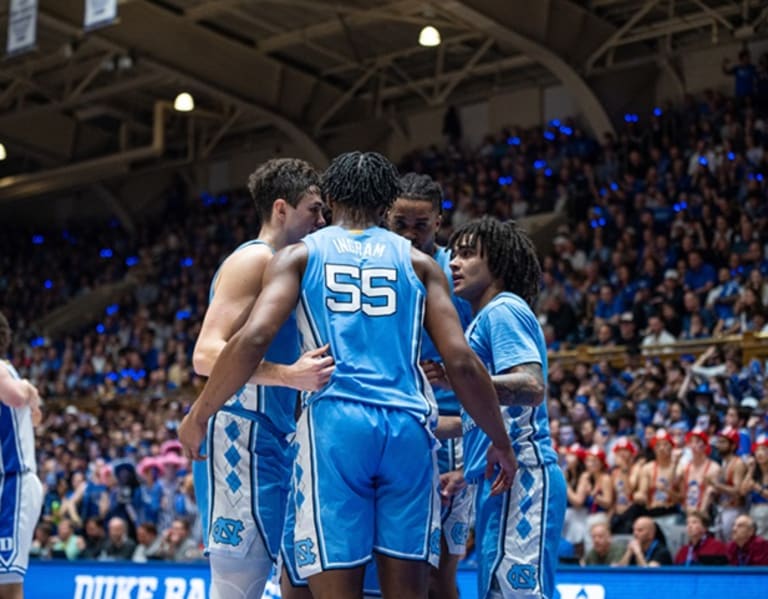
[752, 346]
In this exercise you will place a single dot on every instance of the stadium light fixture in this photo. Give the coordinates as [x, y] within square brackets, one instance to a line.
[3, 153]
[429, 36]
[184, 102]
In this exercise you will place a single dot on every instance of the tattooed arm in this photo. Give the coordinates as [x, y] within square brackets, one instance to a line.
[521, 385]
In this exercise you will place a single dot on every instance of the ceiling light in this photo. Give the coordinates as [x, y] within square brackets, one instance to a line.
[184, 102]
[3, 153]
[429, 36]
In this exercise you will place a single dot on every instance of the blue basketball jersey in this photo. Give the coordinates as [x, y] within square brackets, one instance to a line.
[506, 333]
[276, 403]
[447, 403]
[17, 436]
[361, 295]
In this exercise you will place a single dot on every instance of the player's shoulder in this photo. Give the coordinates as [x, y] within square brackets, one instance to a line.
[248, 256]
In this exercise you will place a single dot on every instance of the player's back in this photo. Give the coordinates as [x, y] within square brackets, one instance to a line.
[361, 295]
[17, 435]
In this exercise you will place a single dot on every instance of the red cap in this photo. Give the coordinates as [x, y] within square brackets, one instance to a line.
[701, 434]
[731, 434]
[661, 435]
[597, 451]
[625, 443]
[575, 449]
[761, 441]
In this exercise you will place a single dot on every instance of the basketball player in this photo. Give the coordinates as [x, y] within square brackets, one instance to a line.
[416, 215]
[495, 268]
[242, 487]
[363, 478]
[21, 494]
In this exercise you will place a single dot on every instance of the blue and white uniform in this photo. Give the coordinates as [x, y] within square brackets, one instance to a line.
[517, 532]
[365, 475]
[21, 494]
[455, 516]
[242, 486]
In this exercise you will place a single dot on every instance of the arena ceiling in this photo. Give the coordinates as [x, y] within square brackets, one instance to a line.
[324, 74]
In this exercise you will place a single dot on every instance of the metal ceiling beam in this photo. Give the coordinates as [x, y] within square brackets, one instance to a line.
[458, 76]
[593, 110]
[486, 68]
[619, 33]
[360, 17]
[91, 96]
[404, 53]
[312, 150]
[339, 103]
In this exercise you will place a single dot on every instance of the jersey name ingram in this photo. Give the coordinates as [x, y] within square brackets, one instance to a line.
[138, 587]
[367, 249]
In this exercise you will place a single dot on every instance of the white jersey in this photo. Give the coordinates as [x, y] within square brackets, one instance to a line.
[17, 436]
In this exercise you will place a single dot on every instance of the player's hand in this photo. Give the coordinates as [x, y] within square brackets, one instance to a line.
[507, 462]
[436, 375]
[191, 435]
[450, 484]
[312, 370]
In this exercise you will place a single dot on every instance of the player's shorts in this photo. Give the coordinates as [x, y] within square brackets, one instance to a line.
[456, 518]
[450, 455]
[518, 533]
[364, 480]
[242, 486]
[21, 498]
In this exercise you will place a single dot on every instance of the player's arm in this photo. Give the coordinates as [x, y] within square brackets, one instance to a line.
[521, 385]
[246, 348]
[17, 393]
[237, 287]
[469, 378]
[448, 427]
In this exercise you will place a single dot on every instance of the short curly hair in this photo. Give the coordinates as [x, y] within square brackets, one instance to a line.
[286, 178]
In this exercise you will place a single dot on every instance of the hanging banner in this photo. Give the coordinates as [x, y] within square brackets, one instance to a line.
[99, 13]
[22, 26]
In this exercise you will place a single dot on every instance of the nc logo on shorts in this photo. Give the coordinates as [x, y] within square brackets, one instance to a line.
[459, 532]
[581, 591]
[304, 554]
[227, 531]
[522, 577]
[434, 541]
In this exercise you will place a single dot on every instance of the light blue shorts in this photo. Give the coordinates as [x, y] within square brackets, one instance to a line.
[518, 533]
[242, 486]
[364, 480]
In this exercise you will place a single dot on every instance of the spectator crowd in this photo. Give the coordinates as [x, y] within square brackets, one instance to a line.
[667, 240]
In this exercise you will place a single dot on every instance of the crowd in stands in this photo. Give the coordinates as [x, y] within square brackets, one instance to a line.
[667, 240]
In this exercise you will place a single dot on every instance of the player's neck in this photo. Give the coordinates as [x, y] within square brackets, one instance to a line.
[273, 237]
[485, 297]
[354, 219]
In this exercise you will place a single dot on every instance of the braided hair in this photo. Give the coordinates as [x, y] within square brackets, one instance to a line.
[363, 182]
[510, 254]
[421, 187]
[286, 178]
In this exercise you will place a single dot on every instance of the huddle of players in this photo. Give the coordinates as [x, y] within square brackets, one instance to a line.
[382, 339]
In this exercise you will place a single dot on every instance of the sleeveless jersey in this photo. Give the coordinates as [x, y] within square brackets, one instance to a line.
[361, 295]
[17, 436]
[277, 404]
[447, 403]
[506, 333]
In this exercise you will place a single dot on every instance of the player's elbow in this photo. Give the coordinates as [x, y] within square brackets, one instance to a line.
[464, 365]
[202, 361]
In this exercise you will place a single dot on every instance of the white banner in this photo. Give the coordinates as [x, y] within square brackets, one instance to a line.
[99, 13]
[22, 26]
